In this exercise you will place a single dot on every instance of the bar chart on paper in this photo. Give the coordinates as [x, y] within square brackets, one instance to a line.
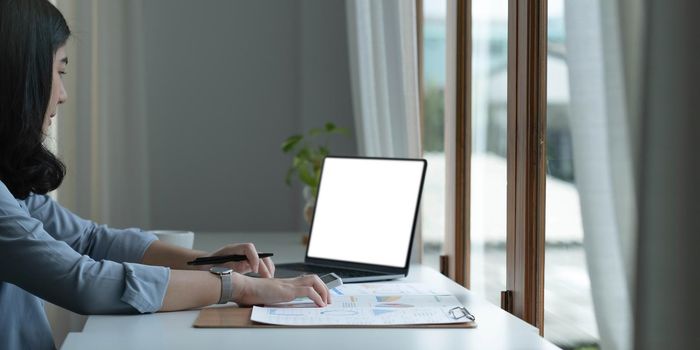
[369, 304]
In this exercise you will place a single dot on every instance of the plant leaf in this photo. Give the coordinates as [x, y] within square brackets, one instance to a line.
[315, 131]
[341, 131]
[297, 162]
[308, 159]
[304, 154]
[290, 142]
[323, 152]
[317, 173]
[306, 177]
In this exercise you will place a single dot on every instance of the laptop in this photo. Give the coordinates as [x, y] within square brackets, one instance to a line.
[364, 219]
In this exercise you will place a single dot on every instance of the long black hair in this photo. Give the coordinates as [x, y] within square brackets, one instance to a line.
[31, 31]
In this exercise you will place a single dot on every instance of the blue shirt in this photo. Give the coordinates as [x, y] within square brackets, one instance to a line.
[49, 253]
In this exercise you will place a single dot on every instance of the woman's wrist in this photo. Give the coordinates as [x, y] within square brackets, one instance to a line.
[239, 286]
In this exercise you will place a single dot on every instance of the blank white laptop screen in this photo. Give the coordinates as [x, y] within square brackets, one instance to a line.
[365, 210]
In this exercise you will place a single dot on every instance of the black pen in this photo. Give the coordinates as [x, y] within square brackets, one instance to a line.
[211, 260]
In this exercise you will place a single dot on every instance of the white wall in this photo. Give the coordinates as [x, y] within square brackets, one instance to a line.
[227, 82]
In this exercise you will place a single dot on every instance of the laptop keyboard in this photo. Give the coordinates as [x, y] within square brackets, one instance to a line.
[322, 270]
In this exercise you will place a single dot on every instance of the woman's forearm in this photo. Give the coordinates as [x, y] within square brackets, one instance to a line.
[194, 289]
[163, 254]
[191, 289]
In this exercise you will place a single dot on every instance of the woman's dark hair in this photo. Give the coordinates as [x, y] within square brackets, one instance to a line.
[31, 31]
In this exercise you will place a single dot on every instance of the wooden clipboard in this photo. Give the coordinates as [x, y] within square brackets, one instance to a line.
[236, 317]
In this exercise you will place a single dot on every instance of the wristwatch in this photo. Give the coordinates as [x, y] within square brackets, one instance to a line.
[226, 286]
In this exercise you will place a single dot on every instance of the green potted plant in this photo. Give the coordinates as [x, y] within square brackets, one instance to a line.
[309, 150]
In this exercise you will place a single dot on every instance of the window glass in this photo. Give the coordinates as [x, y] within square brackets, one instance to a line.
[433, 200]
[489, 144]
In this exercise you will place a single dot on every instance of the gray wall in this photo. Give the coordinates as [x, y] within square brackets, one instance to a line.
[325, 69]
[668, 286]
[227, 82]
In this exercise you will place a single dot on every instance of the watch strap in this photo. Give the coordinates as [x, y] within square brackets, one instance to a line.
[226, 288]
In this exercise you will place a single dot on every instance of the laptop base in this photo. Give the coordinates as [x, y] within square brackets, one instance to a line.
[347, 275]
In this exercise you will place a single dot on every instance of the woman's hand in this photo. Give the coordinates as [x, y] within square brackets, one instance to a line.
[252, 291]
[264, 267]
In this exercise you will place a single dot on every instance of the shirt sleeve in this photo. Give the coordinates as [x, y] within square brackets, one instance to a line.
[86, 237]
[51, 269]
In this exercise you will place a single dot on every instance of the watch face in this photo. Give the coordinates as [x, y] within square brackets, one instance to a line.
[220, 270]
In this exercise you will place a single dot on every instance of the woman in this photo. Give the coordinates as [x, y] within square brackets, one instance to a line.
[47, 252]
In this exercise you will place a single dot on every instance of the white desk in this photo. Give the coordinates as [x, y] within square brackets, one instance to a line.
[496, 329]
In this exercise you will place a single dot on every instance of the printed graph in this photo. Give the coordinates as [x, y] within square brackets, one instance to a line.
[394, 305]
[379, 312]
[341, 313]
[388, 298]
[286, 312]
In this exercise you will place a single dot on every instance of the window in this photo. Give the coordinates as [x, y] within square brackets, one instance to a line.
[508, 138]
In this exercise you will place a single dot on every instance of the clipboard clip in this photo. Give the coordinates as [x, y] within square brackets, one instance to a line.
[461, 311]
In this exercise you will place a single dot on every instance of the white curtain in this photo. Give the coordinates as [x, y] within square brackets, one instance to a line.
[601, 58]
[101, 128]
[384, 75]
[101, 135]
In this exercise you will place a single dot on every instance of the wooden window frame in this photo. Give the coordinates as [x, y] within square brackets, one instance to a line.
[463, 154]
[527, 126]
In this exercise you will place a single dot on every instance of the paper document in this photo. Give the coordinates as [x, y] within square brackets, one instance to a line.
[369, 304]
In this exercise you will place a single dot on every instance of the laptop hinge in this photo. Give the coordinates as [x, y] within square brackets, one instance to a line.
[326, 265]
